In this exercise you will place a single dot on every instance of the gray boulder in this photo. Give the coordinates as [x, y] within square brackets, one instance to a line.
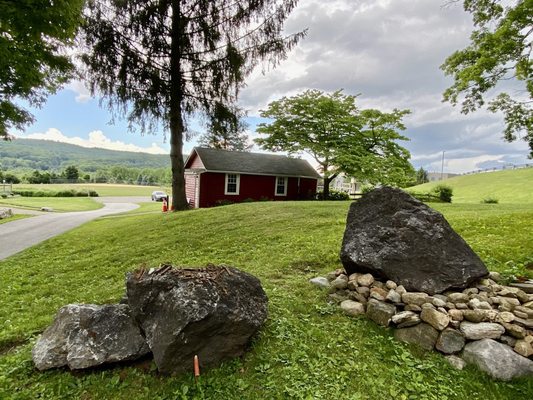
[482, 330]
[423, 335]
[497, 359]
[212, 312]
[456, 362]
[352, 308]
[416, 298]
[393, 236]
[5, 213]
[87, 335]
[321, 282]
[450, 341]
[380, 312]
[405, 319]
[436, 319]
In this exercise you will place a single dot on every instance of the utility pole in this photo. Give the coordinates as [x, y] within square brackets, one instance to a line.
[442, 166]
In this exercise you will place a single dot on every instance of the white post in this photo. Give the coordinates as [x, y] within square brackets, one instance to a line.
[442, 166]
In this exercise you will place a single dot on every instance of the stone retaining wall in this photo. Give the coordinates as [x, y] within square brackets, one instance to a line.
[463, 322]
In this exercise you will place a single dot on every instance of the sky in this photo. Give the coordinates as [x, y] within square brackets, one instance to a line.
[388, 51]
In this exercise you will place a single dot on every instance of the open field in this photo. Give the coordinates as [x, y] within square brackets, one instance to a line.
[307, 350]
[62, 204]
[508, 187]
[103, 189]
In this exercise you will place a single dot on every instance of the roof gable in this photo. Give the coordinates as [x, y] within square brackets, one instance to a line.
[250, 163]
[193, 161]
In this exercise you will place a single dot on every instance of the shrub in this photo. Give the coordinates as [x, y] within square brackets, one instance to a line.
[3, 195]
[490, 200]
[65, 193]
[444, 193]
[333, 195]
[367, 188]
[9, 178]
[223, 202]
[60, 193]
[426, 197]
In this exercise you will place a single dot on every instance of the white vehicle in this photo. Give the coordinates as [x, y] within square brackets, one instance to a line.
[159, 196]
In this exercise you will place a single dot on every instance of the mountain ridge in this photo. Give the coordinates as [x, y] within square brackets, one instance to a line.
[47, 155]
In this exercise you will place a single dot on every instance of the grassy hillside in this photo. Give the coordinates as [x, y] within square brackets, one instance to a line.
[509, 186]
[103, 189]
[30, 154]
[307, 350]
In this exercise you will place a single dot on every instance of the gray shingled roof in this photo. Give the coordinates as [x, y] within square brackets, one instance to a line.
[254, 163]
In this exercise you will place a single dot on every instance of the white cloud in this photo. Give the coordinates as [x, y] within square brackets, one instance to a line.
[96, 139]
[391, 53]
[462, 165]
[83, 95]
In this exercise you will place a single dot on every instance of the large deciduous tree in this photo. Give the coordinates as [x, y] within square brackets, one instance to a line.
[339, 137]
[71, 173]
[165, 61]
[33, 63]
[500, 50]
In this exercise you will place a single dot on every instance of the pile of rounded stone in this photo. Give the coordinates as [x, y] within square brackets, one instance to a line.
[5, 213]
[447, 321]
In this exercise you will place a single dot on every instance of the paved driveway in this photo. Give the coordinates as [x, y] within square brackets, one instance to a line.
[129, 199]
[23, 233]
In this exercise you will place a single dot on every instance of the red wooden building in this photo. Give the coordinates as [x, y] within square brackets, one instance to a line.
[213, 176]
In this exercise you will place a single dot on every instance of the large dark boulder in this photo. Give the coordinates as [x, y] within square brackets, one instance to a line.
[211, 312]
[392, 235]
[88, 335]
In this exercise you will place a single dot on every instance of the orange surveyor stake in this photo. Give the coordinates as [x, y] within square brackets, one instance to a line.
[196, 368]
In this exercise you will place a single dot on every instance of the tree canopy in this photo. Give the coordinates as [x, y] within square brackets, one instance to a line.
[421, 176]
[163, 62]
[339, 136]
[499, 52]
[33, 64]
[227, 133]
[71, 173]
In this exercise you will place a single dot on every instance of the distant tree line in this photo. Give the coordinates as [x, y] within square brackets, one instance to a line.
[8, 178]
[71, 174]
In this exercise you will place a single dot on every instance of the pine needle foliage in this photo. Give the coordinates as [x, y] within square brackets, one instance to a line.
[167, 61]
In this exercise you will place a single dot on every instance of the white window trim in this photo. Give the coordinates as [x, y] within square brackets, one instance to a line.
[238, 185]
[286, 179]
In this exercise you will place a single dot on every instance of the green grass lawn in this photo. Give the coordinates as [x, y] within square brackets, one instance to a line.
[152, 207]
[103, 189]
[14, 218]
[508, 186]
[307, 350]
[62, 204]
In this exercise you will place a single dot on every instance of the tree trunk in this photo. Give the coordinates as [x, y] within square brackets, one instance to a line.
[327, 181]
[179, 199]
[325, 192]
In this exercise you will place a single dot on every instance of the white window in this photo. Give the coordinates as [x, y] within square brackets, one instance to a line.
[232, 184]
[281, 186]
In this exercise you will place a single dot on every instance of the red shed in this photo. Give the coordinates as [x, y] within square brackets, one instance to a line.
[213, 176]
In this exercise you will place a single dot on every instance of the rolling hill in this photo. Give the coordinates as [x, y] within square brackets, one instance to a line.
[508, 187]
[44, 155]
